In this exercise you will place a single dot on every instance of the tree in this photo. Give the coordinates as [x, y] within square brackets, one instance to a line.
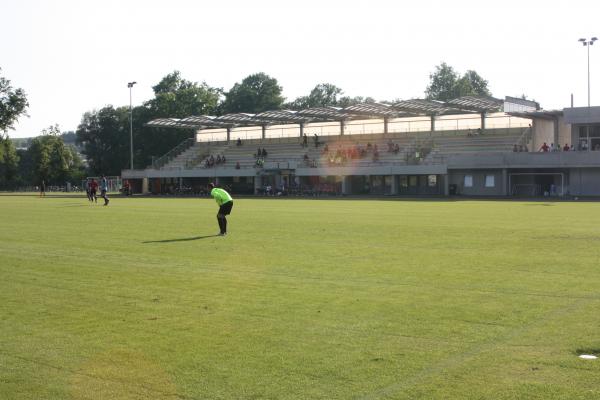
[445, 84]
[256, 93]
[49, 159]
[9, 162]
[104, 135]
[174, 97]
[13, 104]
[322, 95]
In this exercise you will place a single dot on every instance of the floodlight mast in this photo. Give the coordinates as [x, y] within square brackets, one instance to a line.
[587, 43]
[130, 86]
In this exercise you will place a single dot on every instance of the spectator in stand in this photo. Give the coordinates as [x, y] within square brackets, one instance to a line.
[566, 147]
[544, 148]
[304, 140]
[258, 152]
[222, 158]
[515, 148]
[390, 145]
[375, 154]
[211, 160]
[218, 159]
[264, 152]
[552, 147]
[316, 139]
[572, 147]
[237, 165]
[396, 148]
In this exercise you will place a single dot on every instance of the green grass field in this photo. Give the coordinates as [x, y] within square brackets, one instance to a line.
[304, 299]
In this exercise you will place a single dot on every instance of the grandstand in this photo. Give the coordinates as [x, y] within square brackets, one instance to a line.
[467, 146]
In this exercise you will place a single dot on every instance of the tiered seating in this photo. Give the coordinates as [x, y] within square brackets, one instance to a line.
[490, 141]
[194, 155]
[289, 152]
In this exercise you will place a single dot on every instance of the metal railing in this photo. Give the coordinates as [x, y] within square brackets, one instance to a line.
[174, 152]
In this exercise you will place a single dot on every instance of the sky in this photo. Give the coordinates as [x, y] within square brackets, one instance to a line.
[72, 56]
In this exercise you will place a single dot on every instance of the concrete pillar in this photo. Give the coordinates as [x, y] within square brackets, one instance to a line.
[301, 129]
[228, 134]
[394, 185]
[257, 183]
[445, 180]
[432, 117]
[346, 185]
[144, 185]
[264, 131]
[385, 125]
[482, 122]
[504, 182]
[555, 126]
[342, 126]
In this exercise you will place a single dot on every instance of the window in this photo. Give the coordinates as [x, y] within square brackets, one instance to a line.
[468, 180]
[403, 181]
[432, 180]
[490, 181]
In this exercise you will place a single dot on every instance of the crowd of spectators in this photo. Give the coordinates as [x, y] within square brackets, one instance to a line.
[544, 148]
[211, 161]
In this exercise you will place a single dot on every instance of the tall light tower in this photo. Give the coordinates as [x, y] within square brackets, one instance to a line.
[587, 43]
[130, 86]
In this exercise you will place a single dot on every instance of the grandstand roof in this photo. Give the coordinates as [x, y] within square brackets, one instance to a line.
[543, 114]
[405, 108]
[427, 107]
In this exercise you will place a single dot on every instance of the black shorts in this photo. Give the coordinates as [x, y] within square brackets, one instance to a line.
[225, 209]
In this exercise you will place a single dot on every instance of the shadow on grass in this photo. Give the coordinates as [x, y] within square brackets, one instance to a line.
[181, 239]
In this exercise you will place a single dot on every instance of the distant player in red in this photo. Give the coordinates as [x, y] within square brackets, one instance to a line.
[94, 190]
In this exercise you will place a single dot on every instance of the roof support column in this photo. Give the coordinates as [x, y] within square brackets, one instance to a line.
[482, 122]
[342, 126]
[301, 129]
[555, 126]
[385, 125]
[228, 134]
[264, 131]
[432, 117]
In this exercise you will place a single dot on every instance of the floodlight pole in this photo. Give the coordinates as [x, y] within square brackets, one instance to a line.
[130, 86]
[588, 43]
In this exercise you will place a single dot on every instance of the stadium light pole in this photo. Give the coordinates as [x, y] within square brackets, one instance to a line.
[130, 86]
[587, 43]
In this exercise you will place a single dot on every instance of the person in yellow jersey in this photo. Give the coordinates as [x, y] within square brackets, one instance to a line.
[225, 202]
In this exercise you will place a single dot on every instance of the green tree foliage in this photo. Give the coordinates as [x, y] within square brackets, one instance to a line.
[49, 159]
[256, 93]
[445, 84]
[323, 95]
[174, 97]
[326, 95]
[9, 162]
[13, 104]
[104, 135]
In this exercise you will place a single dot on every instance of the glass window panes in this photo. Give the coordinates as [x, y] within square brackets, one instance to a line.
[432, 180]
[490, 181]
[468, 180]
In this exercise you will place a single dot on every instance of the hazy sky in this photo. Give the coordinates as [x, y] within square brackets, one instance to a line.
[75, 56]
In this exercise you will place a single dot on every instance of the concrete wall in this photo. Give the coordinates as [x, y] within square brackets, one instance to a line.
[564, 132]
[457, 177]
[584, 182]
[543, 131]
